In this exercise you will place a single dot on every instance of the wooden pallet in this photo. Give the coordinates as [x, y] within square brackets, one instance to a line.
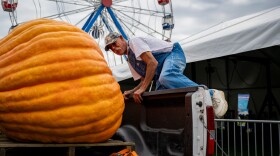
[8, 143]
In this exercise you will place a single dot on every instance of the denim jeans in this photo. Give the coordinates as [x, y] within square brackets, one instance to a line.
[171, 75]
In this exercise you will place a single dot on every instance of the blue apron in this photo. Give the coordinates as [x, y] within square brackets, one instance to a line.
[140, 66]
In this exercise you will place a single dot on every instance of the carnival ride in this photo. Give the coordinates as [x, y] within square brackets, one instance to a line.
[10, 7]
[99, 17]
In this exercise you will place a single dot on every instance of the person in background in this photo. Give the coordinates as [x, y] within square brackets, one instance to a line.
[164, 62]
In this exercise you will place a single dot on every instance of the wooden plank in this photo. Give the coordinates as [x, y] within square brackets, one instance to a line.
[5, 142]
[2, 152]
[71, 151]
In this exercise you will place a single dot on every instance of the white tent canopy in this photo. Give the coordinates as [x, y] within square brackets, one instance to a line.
[256, 31]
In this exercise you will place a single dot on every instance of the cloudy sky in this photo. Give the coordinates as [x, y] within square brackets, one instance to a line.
[190, 16]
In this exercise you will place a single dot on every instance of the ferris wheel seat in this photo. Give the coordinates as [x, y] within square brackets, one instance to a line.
[9, 6]
[163, 2]
[107, 3]
[167, 26]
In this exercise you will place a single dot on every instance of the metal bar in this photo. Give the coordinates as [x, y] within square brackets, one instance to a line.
[150, 89]
[105, 21]
[108, 58]
[149, 11]
[234, 139]
[139, 12]
[255, 131]
[222, 137]
[262, 142]
[241, 139]
[116, 22]
[114, 56]
[140, 23]
[251, 121]
[217, 141]
[58, 15]
[248, 138]
[266, 145]
[228, 137]
[271, 145]
[279, 138]
[96, 14]
[74, 3]
[88, 20]
[87, 16]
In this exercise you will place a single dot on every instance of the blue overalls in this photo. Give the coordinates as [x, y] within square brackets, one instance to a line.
[169, 72]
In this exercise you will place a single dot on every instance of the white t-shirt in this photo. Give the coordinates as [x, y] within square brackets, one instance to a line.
[140, 45]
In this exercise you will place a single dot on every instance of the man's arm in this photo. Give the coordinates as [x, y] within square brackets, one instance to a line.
[151, 67]
[128, 92]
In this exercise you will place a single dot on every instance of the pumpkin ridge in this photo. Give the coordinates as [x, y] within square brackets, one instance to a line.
[66, 132]
[34, 49]
[6, 72]
[42, 103]
[90, 138]
[27, 93]
[12, 35]
[52, 43]
[19, 29]
[30, 34]
[65, 54]
[62, 117]
[23, 78]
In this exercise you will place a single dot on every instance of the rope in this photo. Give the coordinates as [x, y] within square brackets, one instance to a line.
[204, 125]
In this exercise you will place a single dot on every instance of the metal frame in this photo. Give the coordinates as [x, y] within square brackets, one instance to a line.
[247, 137]
[92, 18]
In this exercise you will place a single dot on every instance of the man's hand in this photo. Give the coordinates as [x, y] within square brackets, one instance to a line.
[137, 96]
[126, 94]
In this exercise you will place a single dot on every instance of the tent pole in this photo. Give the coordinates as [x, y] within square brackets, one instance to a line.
[209, 70]
[269, 99]
[227, 82]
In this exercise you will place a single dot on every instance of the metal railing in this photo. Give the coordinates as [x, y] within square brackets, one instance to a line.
[247, 137]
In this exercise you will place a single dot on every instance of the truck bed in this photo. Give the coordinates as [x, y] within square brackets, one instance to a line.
[163, 124]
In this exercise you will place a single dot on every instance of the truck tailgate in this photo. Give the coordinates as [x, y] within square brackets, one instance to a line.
[163, 124]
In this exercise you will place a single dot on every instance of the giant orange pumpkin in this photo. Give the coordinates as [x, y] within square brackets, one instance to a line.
[55, 85]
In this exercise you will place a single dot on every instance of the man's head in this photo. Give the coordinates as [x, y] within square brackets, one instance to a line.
[111, 38]
[116, 43]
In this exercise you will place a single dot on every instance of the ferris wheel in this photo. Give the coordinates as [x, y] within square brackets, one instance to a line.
[129, 17]
[99, 17]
